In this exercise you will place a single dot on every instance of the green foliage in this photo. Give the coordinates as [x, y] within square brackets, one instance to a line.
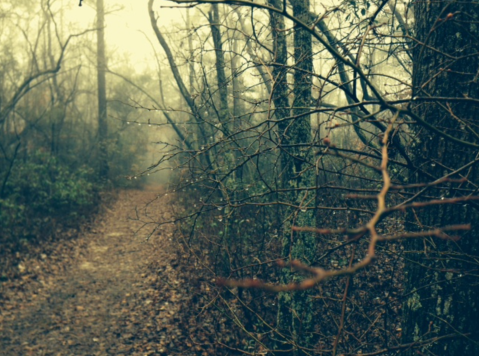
[42, 191]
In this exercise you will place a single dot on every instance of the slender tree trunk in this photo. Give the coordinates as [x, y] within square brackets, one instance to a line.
[179, 81]
[279, 91]
[102, 104]
[295, 314]
[237, 103]
[279, 88]
[264, 77]
[300, 129]
[442, 288]
[214, 19]
[191, 63]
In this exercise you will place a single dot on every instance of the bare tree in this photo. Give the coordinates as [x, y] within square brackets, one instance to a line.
[102, 101]
[330, 196]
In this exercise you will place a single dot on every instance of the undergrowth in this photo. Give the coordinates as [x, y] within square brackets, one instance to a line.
[42, 198]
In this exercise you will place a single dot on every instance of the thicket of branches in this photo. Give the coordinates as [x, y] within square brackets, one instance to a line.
[319, 141]
[325, 156]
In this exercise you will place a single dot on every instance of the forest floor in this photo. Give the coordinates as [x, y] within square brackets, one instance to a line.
[106, 292]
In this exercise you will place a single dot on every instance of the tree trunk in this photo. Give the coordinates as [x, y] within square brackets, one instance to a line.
[214, 19]
[102, 105]
[442, 292]
[295, 314]
[181, 85]
[191, 63]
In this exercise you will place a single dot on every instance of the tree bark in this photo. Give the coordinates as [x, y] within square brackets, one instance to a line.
[214, 19]
[295, 314]
[441, 290]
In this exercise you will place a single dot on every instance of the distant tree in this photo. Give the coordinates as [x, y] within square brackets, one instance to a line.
[32, 99]
[102, 100]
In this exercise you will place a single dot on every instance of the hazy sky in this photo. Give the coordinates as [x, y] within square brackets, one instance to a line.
[125, 21]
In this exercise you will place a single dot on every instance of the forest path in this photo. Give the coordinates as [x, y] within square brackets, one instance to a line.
[99, 295]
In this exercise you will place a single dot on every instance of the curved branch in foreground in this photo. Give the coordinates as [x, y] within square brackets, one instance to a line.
[321, 274]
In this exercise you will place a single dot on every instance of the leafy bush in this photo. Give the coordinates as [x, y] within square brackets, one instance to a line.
[41, 192]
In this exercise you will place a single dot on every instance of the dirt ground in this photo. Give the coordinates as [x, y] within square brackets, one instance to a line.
[107, 292]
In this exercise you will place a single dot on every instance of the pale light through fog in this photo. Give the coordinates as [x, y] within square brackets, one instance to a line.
[125, 22]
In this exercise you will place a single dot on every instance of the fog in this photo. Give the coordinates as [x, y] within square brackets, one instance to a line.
[224, 178]
[127, 24]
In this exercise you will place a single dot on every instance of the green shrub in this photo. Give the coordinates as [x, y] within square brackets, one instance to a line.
[42, 192]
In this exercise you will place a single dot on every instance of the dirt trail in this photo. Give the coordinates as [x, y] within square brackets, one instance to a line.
[99, 299]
